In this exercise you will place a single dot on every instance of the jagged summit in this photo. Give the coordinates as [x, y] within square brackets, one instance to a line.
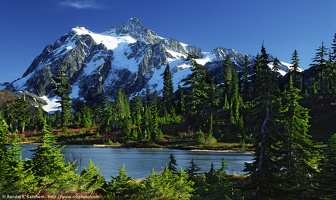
[133, 27]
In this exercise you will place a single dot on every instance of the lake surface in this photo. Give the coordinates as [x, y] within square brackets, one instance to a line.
[140, 162]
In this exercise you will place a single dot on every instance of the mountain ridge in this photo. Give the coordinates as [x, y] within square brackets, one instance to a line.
[127, 55]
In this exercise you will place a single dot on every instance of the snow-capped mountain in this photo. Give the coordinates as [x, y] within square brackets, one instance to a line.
[128, 55]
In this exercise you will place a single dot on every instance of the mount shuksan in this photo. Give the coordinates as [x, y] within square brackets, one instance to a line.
[128, 55]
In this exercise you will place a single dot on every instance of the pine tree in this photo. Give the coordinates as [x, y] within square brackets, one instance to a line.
[168, 92]
[63, 90]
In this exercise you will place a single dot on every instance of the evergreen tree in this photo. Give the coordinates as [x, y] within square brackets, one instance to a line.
[154, 129]
[228, 82]
[168, 92]
[63, 90]
[319, 65]
[123, 114]
[21, 114]
[91, 179]
[297, 80]
[122, 186]
[172, 164]
[168, 186]
[246, 89]
[192, 170]
[137, 113]
[86, 116]
[106, 117]
[299, 151]
[326, 180]
[52, 173]
[264, 169]
[180, 101]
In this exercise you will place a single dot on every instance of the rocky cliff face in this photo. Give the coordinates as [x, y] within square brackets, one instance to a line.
[128, 55]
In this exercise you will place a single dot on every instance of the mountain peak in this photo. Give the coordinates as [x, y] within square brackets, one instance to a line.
[133, 27]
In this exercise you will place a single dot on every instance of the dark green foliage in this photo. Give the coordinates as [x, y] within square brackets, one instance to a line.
[52, 173]
[172, 164]
[299, 155]
[91, 179]
[122, 186]
[168, 185]
[320, 66]
[168, 104]
[326, 180]
[63, 90]
[265, 168]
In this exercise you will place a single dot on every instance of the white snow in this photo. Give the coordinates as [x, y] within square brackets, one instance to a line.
[282, 72]
[207, 57]
[111, 41]
[290, 66]
[74, 93]
[95, 62]
[52, 104]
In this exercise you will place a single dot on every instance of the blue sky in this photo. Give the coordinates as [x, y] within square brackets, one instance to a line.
[28, 26]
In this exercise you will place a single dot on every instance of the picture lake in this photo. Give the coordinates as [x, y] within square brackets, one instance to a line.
[139, 163]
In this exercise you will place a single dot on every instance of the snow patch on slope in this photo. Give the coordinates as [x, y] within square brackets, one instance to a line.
[110, 41]
[53, 104]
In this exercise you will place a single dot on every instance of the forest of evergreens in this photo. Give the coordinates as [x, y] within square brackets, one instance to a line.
[266, 110]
